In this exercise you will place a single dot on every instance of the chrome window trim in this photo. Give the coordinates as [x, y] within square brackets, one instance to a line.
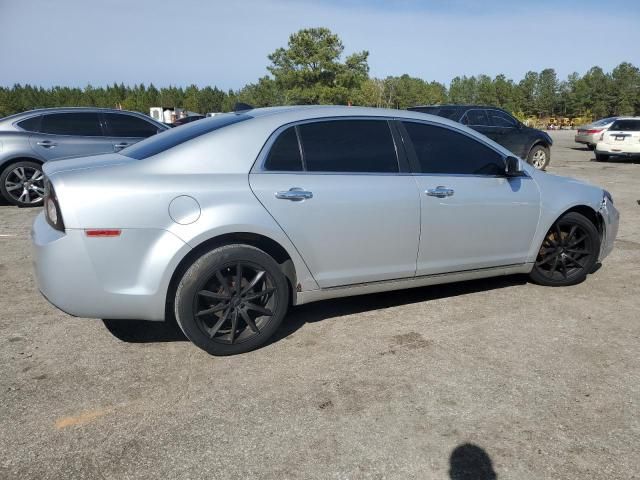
[258, 166]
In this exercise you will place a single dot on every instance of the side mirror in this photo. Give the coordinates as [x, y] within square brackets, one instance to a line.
[512, 167]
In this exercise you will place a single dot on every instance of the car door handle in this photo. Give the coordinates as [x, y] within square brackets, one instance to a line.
[46, 143]
[119, 146]
[440, 192]
[295, 194]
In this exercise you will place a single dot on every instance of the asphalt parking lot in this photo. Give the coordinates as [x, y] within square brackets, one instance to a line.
[497, 377]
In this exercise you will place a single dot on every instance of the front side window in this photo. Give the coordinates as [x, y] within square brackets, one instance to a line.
[31, 124]
[84, 124]
[357, 146]
[122, 125]
[476, 118]
[501, 119]
[444, 151]
[284, 155]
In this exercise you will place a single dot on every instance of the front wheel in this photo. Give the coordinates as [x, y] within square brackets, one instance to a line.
[568, 252]
[539, 157]
[231, 300]
[22, 184]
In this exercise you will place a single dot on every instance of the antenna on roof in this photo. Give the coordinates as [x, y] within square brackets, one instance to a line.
[242, 107]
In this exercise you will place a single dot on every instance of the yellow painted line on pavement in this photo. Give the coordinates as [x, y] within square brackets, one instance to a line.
[84, 417]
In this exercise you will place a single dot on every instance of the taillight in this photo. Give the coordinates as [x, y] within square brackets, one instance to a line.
[51, 207]
[593, 132]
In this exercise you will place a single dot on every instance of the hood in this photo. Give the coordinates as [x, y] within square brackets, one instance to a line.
[85, 163]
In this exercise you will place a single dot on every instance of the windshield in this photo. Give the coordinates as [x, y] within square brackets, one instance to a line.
[626, 125]
[175, 136]
[603, 122]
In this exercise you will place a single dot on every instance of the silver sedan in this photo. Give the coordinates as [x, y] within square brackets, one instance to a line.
[226, 222]
[590, 134]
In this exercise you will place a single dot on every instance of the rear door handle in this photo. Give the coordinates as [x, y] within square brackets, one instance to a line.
[46, 143]
[120, 146]
[295, 194]
[440, 192]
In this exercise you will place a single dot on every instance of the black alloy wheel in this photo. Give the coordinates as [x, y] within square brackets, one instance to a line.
[235, 303]
[231, 300]
[568, 251]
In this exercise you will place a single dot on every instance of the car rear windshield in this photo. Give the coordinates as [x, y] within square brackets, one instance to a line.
[175, 136]
[626, 125]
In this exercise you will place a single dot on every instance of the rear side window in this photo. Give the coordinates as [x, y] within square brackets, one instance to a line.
[31, 124]
[175, 136]
[444, 151]
[476, 118]
[626, 125]
[501, 119]
[84, 124]
[356, 146]
[122, 125]
[285, 153]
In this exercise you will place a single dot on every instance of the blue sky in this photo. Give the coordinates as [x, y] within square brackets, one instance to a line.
[76, 42]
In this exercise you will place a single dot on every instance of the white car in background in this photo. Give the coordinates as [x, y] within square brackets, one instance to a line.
[591, 133]
[621, 140]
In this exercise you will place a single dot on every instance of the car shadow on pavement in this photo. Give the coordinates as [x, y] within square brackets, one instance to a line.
[143, 331]
[318, 311]
[470, 462]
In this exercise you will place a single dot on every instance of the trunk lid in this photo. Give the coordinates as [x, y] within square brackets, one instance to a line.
[84, 163]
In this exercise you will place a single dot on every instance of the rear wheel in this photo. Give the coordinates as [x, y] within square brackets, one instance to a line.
[231, 300]
[568, 252]
[600, 157]
[591, 146]
[539, 157]
[22, 184]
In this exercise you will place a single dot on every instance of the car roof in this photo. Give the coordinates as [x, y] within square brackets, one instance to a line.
[308, 112]
[40, 111]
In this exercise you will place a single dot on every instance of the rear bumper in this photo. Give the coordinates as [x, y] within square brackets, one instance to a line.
[613, 150]
[588, 139]
[611, 219]
[117, 278]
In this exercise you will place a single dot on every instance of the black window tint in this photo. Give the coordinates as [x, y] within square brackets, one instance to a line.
[628, 125]
[501, 119]
[175, 136]
[84, 124]
[123, 125]
[31, 124]
[441, 150]
[477, 118]
[285, 153]
[349, 146]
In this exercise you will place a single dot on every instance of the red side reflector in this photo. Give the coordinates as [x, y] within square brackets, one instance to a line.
[102, 233]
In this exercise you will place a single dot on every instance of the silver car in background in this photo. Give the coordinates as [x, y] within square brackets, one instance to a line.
[590, 134]
[226, 222]
[29, 139]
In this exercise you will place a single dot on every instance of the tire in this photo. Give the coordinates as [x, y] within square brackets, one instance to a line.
[222, 319]
[591, 146]
[539, 157]
[22, 184]
[568, 261]
[601, 157]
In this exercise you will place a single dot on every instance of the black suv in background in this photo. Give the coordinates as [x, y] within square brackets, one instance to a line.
[527, 143]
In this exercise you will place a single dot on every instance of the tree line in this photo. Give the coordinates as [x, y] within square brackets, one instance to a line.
[313, 70]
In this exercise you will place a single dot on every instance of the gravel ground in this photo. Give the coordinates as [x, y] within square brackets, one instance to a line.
[497, 377]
